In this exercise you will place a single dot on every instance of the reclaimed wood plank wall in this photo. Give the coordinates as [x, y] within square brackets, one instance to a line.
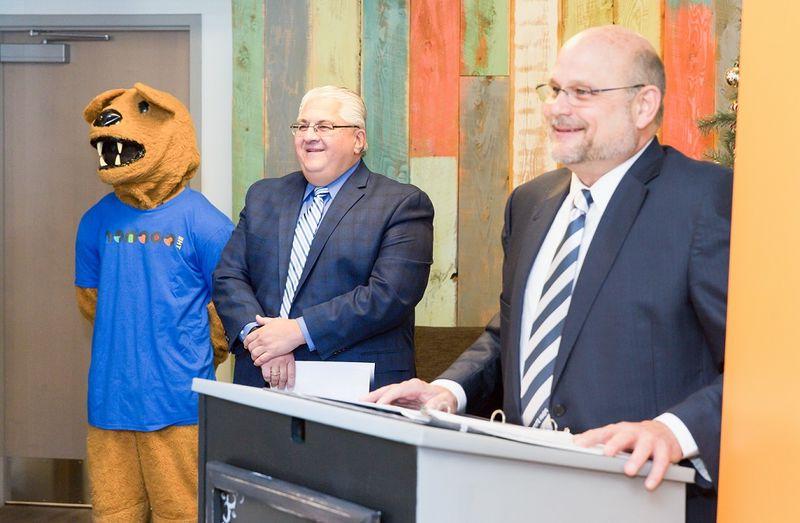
[451, 106]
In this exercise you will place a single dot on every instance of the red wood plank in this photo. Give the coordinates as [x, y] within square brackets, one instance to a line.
[689, 58]
[433, 77]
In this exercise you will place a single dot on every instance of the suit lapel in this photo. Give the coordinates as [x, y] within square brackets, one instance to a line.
[292, 196]
[349, 194]
[617, 220]
[534, 234]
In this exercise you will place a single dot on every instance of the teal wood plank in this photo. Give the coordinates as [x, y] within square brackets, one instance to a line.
[384, 85]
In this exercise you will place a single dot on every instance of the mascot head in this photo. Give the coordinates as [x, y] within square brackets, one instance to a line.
[145, 142]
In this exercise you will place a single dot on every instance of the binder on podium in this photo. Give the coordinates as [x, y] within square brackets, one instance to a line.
[272, 456]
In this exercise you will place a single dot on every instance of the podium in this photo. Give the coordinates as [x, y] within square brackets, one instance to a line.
[290, 456]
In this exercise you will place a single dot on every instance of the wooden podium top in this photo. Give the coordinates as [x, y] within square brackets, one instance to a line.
[397, 428]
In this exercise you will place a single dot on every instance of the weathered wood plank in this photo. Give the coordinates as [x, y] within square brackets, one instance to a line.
[728, 22]
[642, 16]
[484, 37]
[438, 177]
[433, 78]
[286, 55]
[534, 52]
[482, 190]
[577, 15]
[384, 85]
[689, 61]
[248, 98]
[334, 44]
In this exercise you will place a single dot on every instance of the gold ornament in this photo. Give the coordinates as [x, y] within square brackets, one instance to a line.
[732, 75]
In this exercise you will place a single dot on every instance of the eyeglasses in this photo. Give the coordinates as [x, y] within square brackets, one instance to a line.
[320, 128]
[576, 96]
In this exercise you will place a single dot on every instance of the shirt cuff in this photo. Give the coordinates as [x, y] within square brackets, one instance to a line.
[246, 330]
[686, 441]
[306, 334]
[458, 392]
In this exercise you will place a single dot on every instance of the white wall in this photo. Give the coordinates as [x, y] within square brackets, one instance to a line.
[216, 76]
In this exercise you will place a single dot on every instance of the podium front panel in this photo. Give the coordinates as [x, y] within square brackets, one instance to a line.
[368, 471]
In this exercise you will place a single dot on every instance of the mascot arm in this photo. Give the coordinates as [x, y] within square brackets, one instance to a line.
[87, 302]
[218, 340]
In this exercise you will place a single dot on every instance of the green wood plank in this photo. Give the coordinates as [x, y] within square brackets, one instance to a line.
[438, 177]
[484, 46]
[483, 181]
[384, 85]
[286, 57]
[248, 97]
[335, 43]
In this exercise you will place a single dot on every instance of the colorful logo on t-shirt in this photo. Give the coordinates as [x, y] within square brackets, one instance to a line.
[132, 237]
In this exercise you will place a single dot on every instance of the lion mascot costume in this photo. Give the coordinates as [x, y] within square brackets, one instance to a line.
[144, 258]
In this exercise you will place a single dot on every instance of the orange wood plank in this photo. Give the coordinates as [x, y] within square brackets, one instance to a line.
[689, 58]
[434, 49]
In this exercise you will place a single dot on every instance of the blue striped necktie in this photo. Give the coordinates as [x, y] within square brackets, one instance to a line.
[303, 236]
[542, 347]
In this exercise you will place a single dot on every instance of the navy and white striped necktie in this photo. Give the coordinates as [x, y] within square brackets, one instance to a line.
[303, 236]
[541, 349]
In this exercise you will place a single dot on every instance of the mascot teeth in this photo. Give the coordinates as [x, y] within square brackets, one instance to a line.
[127, 152]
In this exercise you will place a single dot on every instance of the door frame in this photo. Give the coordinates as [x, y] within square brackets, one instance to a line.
[210, 93]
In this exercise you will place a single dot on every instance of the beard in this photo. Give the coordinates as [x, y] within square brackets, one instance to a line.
[622, 145]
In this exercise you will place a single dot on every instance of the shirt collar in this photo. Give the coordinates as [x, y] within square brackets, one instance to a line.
[335, 185]
[603, 189]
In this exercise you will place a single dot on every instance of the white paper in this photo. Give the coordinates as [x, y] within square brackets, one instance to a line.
[339, 380]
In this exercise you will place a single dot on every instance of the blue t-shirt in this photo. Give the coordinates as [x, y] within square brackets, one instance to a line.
[152, 269]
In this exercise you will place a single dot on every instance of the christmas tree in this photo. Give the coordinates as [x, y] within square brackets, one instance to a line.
[724, 123]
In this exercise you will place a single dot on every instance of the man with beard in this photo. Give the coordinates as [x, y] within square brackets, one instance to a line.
[612, 311]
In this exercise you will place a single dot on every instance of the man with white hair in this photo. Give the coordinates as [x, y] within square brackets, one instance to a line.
[612, 311]
[326, 263]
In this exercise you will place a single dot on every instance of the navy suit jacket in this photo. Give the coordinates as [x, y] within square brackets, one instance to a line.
[645, 331]
[366, 269]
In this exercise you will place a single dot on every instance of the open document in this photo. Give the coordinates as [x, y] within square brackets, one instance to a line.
[529, 435]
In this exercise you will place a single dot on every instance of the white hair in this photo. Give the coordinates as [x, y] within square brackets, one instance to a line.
[351, 109]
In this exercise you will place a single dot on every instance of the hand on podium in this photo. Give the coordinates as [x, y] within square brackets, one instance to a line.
[645, 439]
[414, 394]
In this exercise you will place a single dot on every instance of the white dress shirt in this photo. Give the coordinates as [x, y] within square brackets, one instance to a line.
[602, 191]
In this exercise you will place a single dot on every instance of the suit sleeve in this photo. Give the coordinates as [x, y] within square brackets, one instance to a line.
[232, 291]
[701, 412]
[396, 284]
[478, 370]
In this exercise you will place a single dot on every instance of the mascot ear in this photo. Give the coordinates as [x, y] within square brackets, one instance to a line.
[99, 103]
[158, 98]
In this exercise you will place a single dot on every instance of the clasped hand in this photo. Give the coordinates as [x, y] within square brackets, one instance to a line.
[270, 346]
